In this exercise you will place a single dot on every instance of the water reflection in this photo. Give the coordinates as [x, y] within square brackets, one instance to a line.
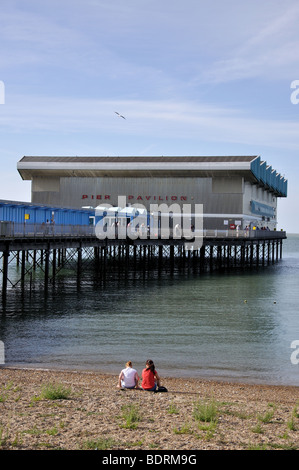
[230, 326]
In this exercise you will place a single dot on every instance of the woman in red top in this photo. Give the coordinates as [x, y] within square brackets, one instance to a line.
[150, 377]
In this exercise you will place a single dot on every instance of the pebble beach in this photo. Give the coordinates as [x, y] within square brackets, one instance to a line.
[86, 411]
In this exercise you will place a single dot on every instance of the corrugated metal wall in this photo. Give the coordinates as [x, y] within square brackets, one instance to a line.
[78, 192]
[219, 195]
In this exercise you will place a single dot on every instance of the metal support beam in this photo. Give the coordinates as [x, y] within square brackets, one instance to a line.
[47, 259]
[5, 274]
[50, 256]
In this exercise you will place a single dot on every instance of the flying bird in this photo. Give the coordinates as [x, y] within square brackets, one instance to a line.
[119, 115]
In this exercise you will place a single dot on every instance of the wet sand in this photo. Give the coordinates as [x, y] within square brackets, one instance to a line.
[95, 414]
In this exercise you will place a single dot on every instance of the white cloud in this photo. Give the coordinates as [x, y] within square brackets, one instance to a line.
[269, 52]
[158, 119]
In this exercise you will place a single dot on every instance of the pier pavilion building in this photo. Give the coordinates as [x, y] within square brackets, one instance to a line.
[234, 190]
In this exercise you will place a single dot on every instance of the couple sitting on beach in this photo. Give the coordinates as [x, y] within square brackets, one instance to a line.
[128, 378]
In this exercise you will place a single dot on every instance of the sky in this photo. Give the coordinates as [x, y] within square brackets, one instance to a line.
[191, 78]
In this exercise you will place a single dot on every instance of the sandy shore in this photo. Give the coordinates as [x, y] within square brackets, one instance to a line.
[95, 414]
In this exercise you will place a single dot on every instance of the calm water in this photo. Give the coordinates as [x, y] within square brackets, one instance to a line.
[237, 326]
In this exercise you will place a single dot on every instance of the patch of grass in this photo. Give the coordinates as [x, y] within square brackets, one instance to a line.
[186, 428]
[238, 414]
[33, 431]
[131, 415]
[4, 391]
[3, 436]
[209, 428]
[52, 431]
[55, 392]
[291, 422]
[99, 444]
[283, 446]
[48, 446]
[134, 444]
[206, 411]
[272, 405]
[154, 445]
[5, 441]
[257, 429]
[17, 441]
[172, 409]
[267, 417]
[3, 397]
[284, 435]
[257, 447]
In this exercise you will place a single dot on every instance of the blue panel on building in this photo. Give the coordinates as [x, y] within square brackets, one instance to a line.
[18, 212]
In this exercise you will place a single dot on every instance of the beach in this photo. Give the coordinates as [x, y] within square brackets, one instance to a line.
[92, 413]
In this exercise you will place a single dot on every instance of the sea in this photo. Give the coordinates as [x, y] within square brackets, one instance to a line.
[236, 326]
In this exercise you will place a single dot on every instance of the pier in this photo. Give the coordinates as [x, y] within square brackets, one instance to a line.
[30, 248]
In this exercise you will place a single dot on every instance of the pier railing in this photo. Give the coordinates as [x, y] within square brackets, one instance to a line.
[16, 230]
[260, 234]
[50, 246]
[24, 230]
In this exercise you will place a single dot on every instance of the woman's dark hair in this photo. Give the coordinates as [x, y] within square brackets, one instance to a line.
[151, 365]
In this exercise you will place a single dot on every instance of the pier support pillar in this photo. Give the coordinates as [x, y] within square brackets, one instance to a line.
[47, 262]
[23, 267]
[160, 256]
[211, 257]
[54, 264]
[171, 257]
[79, 265]
[5, 274]
[202, 258]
